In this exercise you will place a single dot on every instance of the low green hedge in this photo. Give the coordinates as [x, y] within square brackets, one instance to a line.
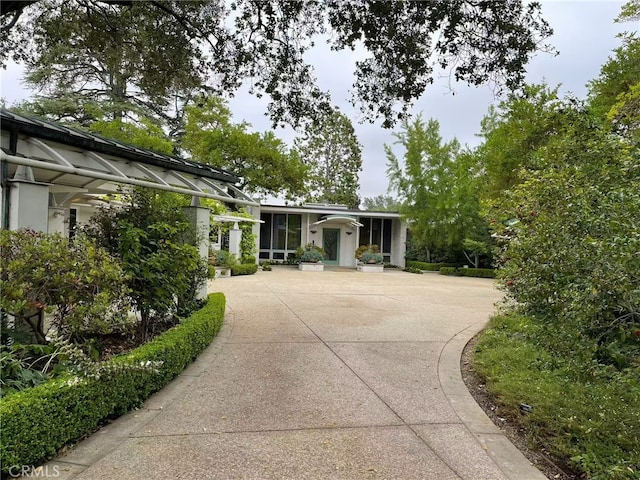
[469, 272]
[431, 267]
[37, 422]
[244, 269]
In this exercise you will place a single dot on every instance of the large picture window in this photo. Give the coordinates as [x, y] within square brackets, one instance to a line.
[280, 235]
[376, 231]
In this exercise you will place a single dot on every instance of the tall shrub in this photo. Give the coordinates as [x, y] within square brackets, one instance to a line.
[149, 234]
[79, 284]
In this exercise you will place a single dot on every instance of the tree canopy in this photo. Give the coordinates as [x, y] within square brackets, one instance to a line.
[333, 154]
[264, 162]
[167, 48]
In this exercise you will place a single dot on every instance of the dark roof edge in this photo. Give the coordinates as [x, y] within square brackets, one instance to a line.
[46, 130]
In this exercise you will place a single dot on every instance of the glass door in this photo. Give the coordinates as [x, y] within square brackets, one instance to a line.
[331, 245]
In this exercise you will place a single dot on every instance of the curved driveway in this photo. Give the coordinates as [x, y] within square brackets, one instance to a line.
[319, 375]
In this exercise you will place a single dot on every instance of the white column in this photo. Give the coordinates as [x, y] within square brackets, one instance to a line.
[235, 235]
[28, 202]
[199, 220]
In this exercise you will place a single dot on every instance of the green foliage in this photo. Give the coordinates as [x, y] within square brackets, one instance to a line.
[156, 49]
[366, 248]
[381, 203]
[331, 150]
[263, 161]
[148, 135]
[573, 257]
[266, 266]
[369, 256]
[310, 253]
[438, 185]
[431, 267]
[38, 421]
[79, 284]
[513, 133]
[412, 270]
[222, 258]
[312, 256]
[17, 370]
[588, 414]
[244, 269]
[450, 271]
[468, 272]
[148, 234]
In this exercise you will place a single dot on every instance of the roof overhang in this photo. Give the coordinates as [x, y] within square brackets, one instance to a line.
[85, 163]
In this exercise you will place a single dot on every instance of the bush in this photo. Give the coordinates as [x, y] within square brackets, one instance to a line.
[244, 269]
[150, 235]
[79, 284]
[590, 417]
[39, 421]
[362, 249]
[412, 270]
[431, 267]
[469, 272]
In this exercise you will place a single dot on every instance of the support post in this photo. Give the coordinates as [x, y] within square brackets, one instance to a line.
[199, 220]
[28, 202]
[235, 235]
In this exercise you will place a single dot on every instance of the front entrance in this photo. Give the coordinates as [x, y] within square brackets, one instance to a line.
[331, 245]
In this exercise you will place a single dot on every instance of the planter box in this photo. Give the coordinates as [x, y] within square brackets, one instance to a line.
[371, 268]
[222, 272]
[311, 267]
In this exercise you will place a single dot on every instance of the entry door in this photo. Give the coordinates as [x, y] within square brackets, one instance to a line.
[331, 245]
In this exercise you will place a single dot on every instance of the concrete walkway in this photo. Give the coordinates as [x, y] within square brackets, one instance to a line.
[327, 375]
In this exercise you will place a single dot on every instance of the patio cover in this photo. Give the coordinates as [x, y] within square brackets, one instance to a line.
[75, 162]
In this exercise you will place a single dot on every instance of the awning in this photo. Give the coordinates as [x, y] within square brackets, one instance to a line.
[79, 162]
[353, 221]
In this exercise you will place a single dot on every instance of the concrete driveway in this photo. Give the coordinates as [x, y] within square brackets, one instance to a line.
[319, 375]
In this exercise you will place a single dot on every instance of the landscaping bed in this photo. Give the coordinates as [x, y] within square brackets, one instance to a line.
[38, 421]
[586, 421]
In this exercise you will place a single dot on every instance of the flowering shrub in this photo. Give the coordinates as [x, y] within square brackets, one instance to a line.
[78, 283]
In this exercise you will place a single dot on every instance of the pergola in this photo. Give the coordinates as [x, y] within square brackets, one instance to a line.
[46, 167]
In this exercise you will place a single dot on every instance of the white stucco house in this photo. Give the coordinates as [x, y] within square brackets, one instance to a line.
[338, 230]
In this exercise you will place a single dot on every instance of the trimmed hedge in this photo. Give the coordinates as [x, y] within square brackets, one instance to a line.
[431, 267]
[244, 269]
[37, 422]
[469, 272]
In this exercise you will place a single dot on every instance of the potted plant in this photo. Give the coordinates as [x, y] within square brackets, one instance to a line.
[369, 259]
[221, 261]
[311, 257]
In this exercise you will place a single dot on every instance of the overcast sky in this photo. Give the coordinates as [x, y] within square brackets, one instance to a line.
[584, 34]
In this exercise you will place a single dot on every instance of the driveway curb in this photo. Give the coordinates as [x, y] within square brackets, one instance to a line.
[509, 459]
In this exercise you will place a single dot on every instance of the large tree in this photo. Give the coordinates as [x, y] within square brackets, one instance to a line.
[437, 184]
[264, 163]
[152, 50]
[331, 150]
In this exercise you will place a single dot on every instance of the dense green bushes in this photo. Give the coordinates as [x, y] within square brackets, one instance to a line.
[431, 267]
[38, 421]
[80, 285]
[244, 269]
[589, 416]
[469, 272]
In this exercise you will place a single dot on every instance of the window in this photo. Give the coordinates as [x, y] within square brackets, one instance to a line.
[279, 231]
[294, 231]
[386, 236]
[377, 231]
[365, 231]
[265, 231]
